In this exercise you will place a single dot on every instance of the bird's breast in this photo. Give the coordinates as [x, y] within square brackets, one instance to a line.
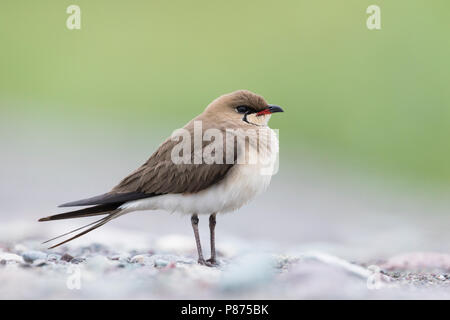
[242, 183]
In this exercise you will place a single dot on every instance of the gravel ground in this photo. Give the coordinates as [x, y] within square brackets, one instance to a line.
[323, 231]
[166, 268]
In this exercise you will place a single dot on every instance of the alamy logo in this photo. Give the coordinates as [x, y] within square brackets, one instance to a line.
[374, 20]
[74, 279]
[74, 20]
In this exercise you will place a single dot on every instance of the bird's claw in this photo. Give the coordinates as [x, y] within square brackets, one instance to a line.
[213, 262]
[208, 263]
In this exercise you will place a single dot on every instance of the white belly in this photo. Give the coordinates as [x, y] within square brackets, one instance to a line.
[241, 184]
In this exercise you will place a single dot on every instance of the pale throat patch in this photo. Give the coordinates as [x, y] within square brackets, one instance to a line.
[258, 120]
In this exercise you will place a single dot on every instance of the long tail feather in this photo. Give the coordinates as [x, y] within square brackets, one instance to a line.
[98, 224]
[77, 229]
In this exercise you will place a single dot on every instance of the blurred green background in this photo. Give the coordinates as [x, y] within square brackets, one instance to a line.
[375, 100]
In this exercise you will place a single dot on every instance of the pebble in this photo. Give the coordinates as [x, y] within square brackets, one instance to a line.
[8, 257]
[77, 260]
[160, 263]
[53, 257]
[160, 260]
[40, 262]
[66, 257]
[30, 256]
[147, 273]
[140, 258]
[122, 257]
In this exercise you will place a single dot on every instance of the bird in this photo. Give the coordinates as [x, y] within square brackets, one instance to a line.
[175, 179]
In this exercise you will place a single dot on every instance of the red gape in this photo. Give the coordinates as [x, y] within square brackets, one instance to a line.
[263, 112]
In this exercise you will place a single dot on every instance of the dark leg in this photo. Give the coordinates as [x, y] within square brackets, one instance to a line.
[212, 227]
[194, 221]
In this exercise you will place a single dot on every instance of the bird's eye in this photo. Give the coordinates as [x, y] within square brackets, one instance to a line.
[242, 109]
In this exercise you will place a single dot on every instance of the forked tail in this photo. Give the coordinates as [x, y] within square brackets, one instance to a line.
[111, 210]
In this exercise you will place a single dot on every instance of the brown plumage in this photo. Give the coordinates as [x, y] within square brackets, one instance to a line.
[159, 175]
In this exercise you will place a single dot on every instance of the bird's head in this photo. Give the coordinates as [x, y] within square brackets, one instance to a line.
[242, 108]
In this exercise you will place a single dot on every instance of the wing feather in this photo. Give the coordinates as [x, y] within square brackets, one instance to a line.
[160, 175]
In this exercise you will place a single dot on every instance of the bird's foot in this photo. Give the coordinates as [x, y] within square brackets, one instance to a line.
[213, 262]
[207, 263]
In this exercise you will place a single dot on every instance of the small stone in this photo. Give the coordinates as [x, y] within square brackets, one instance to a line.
[160, 263]
[77, 260]
[119, 257]
[53, 257]
[30, 256]
[10, 257]
[139, 259]
[39, 263]
[66, 257]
